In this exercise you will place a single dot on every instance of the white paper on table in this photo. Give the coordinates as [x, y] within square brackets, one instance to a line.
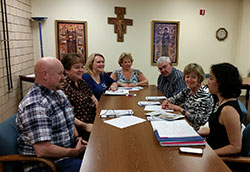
[178, 128]
[147, 103]
[124, 121]
[155, 98]
[116, 113]
[130, 88]
[117, 92]
[163, 115]
[156, 108]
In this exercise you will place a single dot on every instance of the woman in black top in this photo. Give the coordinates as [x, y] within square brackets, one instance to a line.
[224, 132]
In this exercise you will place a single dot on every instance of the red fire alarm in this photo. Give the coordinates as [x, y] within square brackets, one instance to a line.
[202, 12]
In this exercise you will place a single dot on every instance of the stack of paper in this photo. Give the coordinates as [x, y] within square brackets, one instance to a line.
[176, 133]
[162, 115]
[116, 113]
[147, 103]
[155, 98]
[156, 108]
[116, 93]
[130, 88]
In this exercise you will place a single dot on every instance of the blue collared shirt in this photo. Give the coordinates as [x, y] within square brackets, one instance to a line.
[172, 84]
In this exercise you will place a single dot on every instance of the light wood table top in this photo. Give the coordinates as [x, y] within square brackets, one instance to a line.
[136, 148]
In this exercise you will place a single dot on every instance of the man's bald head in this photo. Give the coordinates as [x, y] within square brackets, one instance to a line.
[49, 73]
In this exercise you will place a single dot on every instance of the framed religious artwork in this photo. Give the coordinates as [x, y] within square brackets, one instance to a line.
[165, 40]
[71, 37]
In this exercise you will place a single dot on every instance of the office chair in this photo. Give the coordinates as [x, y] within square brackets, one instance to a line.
[244, 111]
[10, 160]
[241, 162]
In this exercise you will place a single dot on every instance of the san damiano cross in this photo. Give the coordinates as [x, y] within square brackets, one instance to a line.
[120, 23]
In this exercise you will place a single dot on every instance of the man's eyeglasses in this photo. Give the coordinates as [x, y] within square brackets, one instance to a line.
[163, 67]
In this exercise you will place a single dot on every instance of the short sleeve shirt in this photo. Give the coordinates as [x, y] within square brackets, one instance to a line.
[80, 99]
[44, 115]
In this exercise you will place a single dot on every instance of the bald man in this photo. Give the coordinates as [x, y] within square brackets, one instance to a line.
[45, 120]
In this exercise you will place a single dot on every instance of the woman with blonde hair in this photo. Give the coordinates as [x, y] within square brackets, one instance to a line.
[126, 76]
[196, 99]
[97, 79]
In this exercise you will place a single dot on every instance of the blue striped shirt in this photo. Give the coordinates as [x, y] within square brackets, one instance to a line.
[172, 84]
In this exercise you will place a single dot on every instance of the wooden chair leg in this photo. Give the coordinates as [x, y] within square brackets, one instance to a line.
[1, 167]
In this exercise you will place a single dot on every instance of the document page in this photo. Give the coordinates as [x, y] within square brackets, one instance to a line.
[179, 128]
[117, 92]
[156, 108]
[146, 103]
[116, 113]
[155, 98]
[124, 121]
[130, 88]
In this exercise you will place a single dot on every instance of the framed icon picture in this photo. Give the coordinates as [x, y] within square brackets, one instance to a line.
[71, 37]
[165, 40]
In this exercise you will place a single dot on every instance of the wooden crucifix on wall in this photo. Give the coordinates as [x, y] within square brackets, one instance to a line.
[120, 23]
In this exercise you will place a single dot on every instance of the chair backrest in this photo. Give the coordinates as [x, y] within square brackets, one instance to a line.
[244, 111]
[245, 151]
[8, 143]
[8, 136]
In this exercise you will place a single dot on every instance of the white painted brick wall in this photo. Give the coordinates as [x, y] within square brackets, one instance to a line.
[22, 55]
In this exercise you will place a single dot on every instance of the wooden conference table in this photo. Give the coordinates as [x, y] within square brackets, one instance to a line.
[136, 148]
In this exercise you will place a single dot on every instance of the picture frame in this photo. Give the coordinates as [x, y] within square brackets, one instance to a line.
[165, 40]
[71, 37]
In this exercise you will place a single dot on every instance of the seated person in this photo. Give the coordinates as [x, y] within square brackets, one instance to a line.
[170, 80]
[97, 79]
[45, 120]
[196, 99]
[79, 93]
[128, 77]
[224, 132]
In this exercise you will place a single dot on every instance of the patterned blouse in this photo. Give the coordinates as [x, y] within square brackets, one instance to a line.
[121, 78]
[80, 99]
[199, 105]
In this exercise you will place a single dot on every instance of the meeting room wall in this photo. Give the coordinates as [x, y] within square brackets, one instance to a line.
[197, 42]
[20, 41]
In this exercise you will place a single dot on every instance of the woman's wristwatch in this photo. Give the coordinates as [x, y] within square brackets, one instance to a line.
[184, 112]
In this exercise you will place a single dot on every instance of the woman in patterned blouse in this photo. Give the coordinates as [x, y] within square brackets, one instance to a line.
[128, 77]
[196, 99]
[79, 93]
